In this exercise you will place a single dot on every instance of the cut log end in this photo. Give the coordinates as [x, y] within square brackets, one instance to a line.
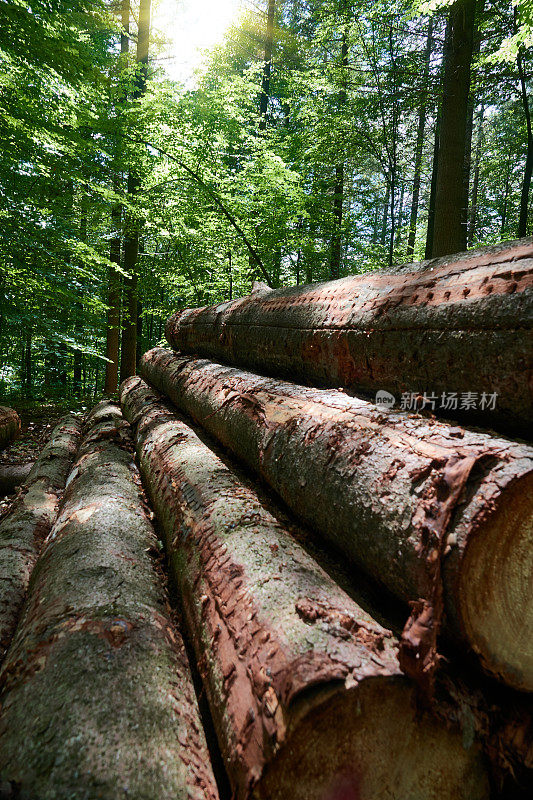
[496, 599]
[13, 475]
[370, 743]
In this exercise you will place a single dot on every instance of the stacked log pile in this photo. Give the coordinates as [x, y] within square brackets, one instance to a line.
[9, 426]
[432, 511]
[258, 485]
[305, 688]
[97, 699]
[458, 326]
[30, 519]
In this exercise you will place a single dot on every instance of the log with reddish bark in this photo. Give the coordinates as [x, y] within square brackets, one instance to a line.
[439, 514]
[454, 325]
[13, 475]
[9, 426]
[97, 698]
[304, 686]
[30, 519]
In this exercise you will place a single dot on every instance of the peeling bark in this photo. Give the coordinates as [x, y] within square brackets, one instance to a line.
[23, 530]
[13, 475]
[96, 657]
[304, 685]
[439, 514]
[460, 324]
[9, 426]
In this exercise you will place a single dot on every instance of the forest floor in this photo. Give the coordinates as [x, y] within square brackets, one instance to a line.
[38, 418]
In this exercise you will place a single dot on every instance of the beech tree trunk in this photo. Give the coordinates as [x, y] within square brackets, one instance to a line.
[97, 698]
[438, 514]
[113, 291]
[22, 531]
[458, 325]
[128, 356]
[304, 686]
[449, 235]
[335, 262]
[528, 170]
[9, 426]
[267, 67]
[13, 475]
[415, 197]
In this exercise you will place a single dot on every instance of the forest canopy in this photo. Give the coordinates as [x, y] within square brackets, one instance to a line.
[319, 139]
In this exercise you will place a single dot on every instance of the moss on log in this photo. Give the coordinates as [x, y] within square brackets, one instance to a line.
[439, 514]
[9, 426]
[304, 686]
[97, 699]
[461, 324]
[30, 519]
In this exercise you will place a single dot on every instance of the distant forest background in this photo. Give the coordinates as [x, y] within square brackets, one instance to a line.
[321, 139]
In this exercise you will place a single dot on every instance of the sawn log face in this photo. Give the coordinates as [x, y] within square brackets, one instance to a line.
[9, 426]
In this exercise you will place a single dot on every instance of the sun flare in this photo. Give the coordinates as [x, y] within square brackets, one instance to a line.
[190, 27]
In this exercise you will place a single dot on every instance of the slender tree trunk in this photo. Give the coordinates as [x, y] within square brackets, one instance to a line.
[267, 68]
[385, 219]
[113, 311]
[28, 363]
[230, 276]
[473, 211]
[420, 144]
[131, 241]
[450, 231]
[506, 195]
[113, 291]
[526, 185]
[399, 227]
[433, 191]
[78, 308]
[476, 47]
[338, 186]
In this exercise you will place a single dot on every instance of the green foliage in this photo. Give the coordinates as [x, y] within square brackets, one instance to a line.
[222, 201]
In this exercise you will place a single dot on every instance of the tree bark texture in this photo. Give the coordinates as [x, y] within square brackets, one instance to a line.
[413, 218]
[13, 475]
[449, 235]
[96, 658]
[450, 325]
[9, 426]
[23, 530]
[128, 355]
[440, 515]
[304, 685]
[267, 67]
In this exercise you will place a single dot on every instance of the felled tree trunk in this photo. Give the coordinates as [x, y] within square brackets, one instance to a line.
[436, 513]
[9, 426]
[455, 325]
[97, 699]
[23, 530]
[304, 685]
[13, 475]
